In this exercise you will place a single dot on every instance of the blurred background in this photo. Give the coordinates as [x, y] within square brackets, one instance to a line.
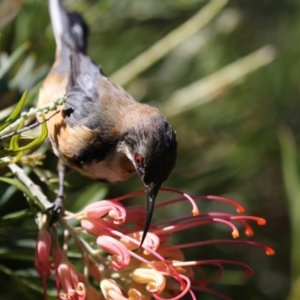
[226, 75]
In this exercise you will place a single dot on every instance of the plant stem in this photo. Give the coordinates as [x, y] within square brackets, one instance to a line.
[32, 112]
[35, 189]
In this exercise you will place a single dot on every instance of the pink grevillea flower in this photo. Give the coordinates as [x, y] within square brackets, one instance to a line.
[67, 278]
[157, 269]
[42, 256]
[70, 284]
[97, 210]
[120, 255]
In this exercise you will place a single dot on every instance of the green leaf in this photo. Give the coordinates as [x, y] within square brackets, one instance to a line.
[39, 140]
[18, 108]
[291, 178]
[19, 186]
[6, 112]
[14, 142]
[4, 153]
[17, 215]
[17, 157]
[13, 58]
[16, 112]
[29, 283]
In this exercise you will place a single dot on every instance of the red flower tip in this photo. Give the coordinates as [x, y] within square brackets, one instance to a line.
[195, 209]
[239, 208]
[249, 232]
[195, 212]
[270, 251]
[235, 234]
[261, 221]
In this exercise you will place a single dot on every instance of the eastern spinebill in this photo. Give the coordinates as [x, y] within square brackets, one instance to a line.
[102, 132]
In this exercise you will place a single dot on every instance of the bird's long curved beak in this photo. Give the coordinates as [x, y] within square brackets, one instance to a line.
[152, 191]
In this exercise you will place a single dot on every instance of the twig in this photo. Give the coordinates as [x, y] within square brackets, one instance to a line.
[27, 128]
[167, 43]
[34, 189]
[32, 112]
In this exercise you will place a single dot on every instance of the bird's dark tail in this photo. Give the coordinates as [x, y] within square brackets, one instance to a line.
[70, 30]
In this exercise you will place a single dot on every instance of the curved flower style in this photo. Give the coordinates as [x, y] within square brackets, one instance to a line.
[67, 277]
[124, 269]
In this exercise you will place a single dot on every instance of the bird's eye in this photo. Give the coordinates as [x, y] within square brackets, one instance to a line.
[138, 160]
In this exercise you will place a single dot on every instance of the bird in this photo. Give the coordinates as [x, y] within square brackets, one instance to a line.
[101, 131]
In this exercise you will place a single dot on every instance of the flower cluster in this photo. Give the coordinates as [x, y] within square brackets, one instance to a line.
[109, 237]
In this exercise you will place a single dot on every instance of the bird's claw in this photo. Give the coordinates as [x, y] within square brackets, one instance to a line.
[55, 210]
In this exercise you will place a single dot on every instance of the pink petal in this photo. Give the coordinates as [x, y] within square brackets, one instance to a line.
[98, 227]
[121, 256]
[57, 255]
[67, 277]
[42, 253]
[100, 208]
[111, 291]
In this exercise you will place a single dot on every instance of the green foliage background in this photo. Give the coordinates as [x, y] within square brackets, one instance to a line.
[242, 142]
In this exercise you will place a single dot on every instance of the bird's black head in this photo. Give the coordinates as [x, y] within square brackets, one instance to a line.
[152, 149]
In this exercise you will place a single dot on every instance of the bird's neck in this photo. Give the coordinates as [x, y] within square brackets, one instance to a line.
[137, 117]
